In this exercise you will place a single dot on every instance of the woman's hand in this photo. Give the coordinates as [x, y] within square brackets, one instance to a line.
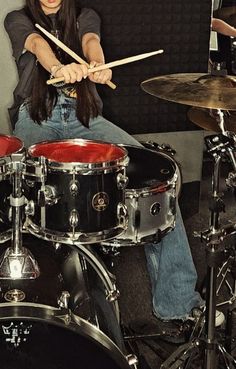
[71, 72]
[99, 77]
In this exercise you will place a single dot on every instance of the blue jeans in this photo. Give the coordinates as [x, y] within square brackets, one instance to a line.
[63, 124]
[173, 274]
[170, 265]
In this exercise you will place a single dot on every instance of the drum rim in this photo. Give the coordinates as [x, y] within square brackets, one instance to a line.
[12, 139]
[53, 164]
[64, 319]
[165, 185]
[71, 238]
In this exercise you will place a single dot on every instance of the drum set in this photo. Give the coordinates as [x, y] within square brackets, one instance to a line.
[58, 301]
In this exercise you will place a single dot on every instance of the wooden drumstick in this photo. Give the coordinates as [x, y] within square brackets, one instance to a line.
[113, 64]
[68, 51]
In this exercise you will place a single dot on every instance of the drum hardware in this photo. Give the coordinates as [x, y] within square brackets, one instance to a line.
[8, 146]
[228, 268]
[132, 360]
[17, 262]
[208, 344]
[63, 300]
[166, 148]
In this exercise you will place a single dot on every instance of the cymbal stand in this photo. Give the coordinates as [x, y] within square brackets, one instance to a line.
[230, 182]
[228, 267]
[208, 344]
[17, 262]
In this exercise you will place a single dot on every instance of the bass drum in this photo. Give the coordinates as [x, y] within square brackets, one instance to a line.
[154, 182]
[64, 319]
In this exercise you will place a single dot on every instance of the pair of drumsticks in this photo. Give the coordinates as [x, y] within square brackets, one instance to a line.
[95, 69]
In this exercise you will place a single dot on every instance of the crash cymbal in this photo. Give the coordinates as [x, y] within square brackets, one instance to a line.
[207, 119]
[195, 89]
[227, 14]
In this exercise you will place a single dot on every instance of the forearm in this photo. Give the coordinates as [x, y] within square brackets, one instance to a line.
[222, 27]
[92, 49]
[42, 50]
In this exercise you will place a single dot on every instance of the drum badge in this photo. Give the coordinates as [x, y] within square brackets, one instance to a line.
[100, 201]
[14, 295]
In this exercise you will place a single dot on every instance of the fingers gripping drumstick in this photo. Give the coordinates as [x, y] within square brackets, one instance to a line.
[113, 64]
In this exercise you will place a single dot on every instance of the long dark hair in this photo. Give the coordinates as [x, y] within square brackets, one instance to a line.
[66, 22]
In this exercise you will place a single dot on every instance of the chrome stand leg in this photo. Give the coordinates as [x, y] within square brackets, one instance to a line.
[17, 262]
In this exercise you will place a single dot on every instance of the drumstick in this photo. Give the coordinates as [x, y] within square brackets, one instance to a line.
[68, 51]
[113, 64]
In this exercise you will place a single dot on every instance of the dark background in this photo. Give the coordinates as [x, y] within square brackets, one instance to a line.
[180, 27]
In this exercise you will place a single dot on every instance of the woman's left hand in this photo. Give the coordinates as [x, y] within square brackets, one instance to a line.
[99, 77]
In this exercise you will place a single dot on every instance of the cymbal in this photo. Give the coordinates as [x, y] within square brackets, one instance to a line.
[227, 14]
[207, 119]
[195, 89]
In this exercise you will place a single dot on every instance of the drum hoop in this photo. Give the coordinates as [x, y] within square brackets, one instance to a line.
[63, 318]
[176, 178]
[79, 166]
[72, 238]
[88, 168]
[150, 191]
[15, 139]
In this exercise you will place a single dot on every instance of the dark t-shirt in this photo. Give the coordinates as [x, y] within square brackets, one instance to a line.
[19, 26]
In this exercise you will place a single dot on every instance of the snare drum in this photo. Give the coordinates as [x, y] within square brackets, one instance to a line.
[9, 145]
[150, 196]
[65, 318]
[76, 190]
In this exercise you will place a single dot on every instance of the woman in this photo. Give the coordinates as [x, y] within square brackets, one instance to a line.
[43, 112]
[48, 112]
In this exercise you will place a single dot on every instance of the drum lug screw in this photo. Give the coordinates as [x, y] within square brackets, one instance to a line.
[74, 188]
[122, 214]
[50, 196]
[63, 300]
[132, 360]
[122, 181]
[30, 208]
[74, 218]
[113, 295]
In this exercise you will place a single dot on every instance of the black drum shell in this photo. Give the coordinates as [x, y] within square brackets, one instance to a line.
[90, 218]
[93, 325]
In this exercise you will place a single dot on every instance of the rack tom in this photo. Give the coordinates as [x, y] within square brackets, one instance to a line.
[76, 190]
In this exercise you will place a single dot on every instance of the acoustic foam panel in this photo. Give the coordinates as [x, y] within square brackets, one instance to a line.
[181, 28]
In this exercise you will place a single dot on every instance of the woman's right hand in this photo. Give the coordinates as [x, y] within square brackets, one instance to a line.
[71, 72]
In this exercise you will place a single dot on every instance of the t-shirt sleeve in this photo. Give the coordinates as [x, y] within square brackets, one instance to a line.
[88, 21]
[18, 27]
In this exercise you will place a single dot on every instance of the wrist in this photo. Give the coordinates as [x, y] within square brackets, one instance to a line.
[55, 68]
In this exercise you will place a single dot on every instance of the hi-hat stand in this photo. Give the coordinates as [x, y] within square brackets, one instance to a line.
[206, 345]
[17, 262]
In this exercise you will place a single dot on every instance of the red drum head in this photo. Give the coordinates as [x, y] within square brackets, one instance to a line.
[77, 151]
[9, 145]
